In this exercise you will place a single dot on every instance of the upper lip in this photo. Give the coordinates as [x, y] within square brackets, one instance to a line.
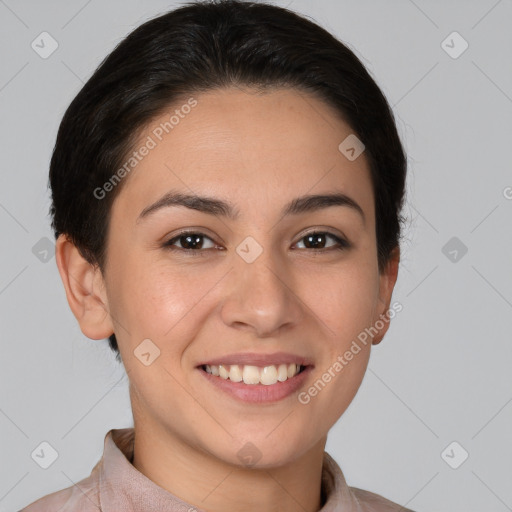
[254, 359]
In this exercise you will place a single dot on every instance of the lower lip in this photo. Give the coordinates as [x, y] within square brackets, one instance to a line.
[259, 393]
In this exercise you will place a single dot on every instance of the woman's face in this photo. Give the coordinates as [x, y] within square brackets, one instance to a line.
[253, 282]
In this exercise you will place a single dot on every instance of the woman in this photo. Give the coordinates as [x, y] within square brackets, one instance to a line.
[226, 197]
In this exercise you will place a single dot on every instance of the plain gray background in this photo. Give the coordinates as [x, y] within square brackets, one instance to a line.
[442, 373]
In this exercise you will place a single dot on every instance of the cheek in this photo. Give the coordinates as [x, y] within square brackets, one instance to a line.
[344, 299]
[159, 301]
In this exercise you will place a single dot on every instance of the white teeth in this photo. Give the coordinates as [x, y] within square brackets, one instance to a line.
[235, 374]
[223, 372]
[251, 374]
[267, 375]
[282, 373]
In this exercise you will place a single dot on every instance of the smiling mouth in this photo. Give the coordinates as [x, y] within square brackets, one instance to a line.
[253, 375]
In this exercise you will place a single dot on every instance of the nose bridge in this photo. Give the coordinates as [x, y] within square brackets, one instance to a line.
[261, 297]
[262, 277]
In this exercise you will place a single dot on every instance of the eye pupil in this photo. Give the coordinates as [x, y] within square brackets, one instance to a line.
[193, 240]
[313, 240]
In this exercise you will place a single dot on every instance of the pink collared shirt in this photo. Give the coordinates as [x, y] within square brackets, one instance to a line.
[115, 485]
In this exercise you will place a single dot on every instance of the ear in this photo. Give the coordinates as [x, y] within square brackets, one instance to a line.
[85, 290]
[387, 284]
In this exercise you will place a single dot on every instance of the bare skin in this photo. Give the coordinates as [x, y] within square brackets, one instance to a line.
[258, 152]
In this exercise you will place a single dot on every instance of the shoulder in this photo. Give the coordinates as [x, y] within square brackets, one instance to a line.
[371, 502]
[80, 497]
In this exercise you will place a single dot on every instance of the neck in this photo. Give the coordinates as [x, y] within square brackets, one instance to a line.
[209, 483]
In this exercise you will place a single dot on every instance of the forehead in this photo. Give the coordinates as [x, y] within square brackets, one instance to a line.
[257, 150]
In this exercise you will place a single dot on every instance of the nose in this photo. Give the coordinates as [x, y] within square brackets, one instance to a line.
[262, 298]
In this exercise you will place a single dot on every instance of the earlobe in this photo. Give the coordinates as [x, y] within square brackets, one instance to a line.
[85, 290]
[387, 284]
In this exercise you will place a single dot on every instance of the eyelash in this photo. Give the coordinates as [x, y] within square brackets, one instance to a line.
[342, 243]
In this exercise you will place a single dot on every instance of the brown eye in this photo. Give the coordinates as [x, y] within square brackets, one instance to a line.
[189, 241]
[317, 240]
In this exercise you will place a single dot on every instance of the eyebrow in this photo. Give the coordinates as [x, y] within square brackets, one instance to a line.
[218, 207]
